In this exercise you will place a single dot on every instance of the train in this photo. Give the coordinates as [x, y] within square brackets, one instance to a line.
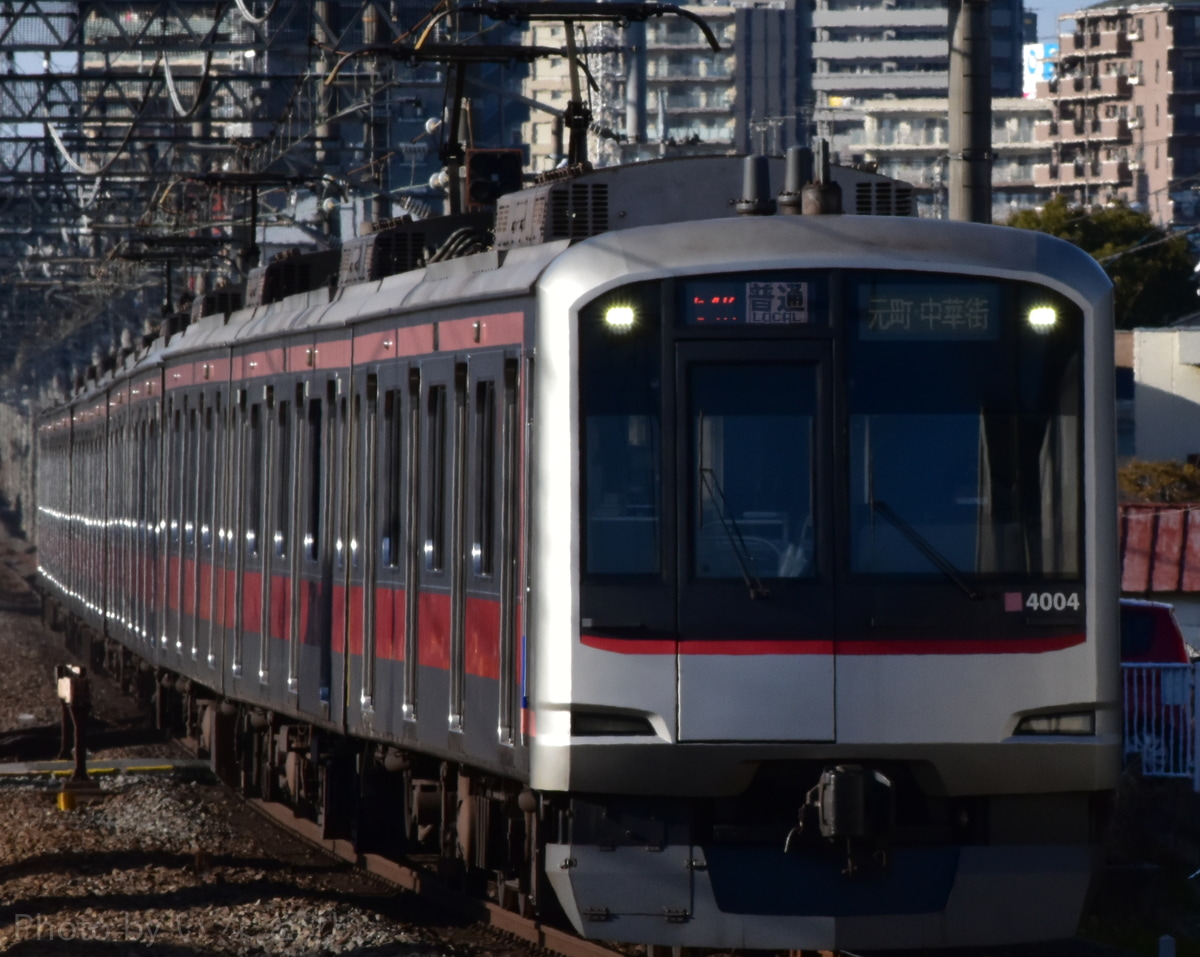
[641, 553]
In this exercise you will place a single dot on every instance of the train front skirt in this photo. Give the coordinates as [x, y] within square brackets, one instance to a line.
[762, 898]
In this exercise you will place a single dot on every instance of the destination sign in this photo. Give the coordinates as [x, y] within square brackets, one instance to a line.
[929, 311]
[746, 303]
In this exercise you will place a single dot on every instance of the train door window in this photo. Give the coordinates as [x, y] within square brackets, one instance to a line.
[298, 511]
[208, 476]
[196, 498]
[369, 471]
[458, 466]
[508, 557]
[244, 465]
[254, 480]
[272, 453]
[393, 491]
[412, 556]
[316, 464]
[141, 456]
[752, 469]
[173, 482]
[484, 531]
[435, 506]
[357, 504]
[283, 486]
[191, 478]
[342, 532]
[153, 530]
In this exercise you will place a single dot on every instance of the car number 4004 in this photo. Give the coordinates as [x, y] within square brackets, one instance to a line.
[1052, 601]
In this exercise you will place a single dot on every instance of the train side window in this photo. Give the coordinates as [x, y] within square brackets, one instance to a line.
[393, 425]
[283, 496]
[435, 511]
[483, 537]
[254, 480]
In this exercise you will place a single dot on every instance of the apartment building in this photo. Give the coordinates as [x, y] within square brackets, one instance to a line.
[1125, 109]
[787, 70]
[908, 139]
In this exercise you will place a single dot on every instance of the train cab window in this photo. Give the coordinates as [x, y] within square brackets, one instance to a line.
[621, 401]
[752, 469]
[964, 429]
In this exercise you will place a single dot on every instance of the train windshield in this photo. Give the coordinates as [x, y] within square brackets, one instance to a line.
[871, 424]
[751, 457]
[964, 442]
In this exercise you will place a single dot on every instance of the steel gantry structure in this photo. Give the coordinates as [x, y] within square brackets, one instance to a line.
[141, 143]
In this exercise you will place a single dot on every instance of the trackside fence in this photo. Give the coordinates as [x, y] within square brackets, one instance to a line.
[1160, 719]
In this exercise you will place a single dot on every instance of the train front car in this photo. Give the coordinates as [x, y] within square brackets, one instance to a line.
[823, 628]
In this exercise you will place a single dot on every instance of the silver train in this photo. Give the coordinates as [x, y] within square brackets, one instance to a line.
[718, 581]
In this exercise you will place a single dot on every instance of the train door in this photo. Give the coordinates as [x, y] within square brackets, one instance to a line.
[383, 673]
[194, 472]
[310, 648]
[486, 666]
[439, 647]
[277, 568]
[755, 606]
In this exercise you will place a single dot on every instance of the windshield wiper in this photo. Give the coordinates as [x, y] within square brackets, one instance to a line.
[708, 480]
[925, 547]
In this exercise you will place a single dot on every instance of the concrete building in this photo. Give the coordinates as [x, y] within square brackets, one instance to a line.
[1125, 120]
[908, 138]
[787, 70]
[1166, 398]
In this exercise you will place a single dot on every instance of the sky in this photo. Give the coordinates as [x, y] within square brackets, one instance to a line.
[1049, 11]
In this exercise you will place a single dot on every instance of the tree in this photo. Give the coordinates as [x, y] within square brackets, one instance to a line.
[1159, 482]
[1151, 269]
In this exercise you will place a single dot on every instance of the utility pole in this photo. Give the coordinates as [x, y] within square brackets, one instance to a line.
[970, 108]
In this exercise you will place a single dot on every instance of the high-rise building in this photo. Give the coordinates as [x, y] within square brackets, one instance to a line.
[786, 70]
[1125, 121]
[908, 140]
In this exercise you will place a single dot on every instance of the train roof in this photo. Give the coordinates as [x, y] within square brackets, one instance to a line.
[636, 237]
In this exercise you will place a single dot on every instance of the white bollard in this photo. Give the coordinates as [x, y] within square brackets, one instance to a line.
[1166, 946]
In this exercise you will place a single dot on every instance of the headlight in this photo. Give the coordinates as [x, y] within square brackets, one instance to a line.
[1076, 722]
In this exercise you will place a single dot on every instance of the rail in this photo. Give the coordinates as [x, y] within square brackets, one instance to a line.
[1160, 704]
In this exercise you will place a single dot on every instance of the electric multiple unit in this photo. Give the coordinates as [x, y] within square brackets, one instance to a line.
[747, 580]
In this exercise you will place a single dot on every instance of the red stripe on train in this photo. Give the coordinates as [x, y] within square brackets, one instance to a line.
[824, 647]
